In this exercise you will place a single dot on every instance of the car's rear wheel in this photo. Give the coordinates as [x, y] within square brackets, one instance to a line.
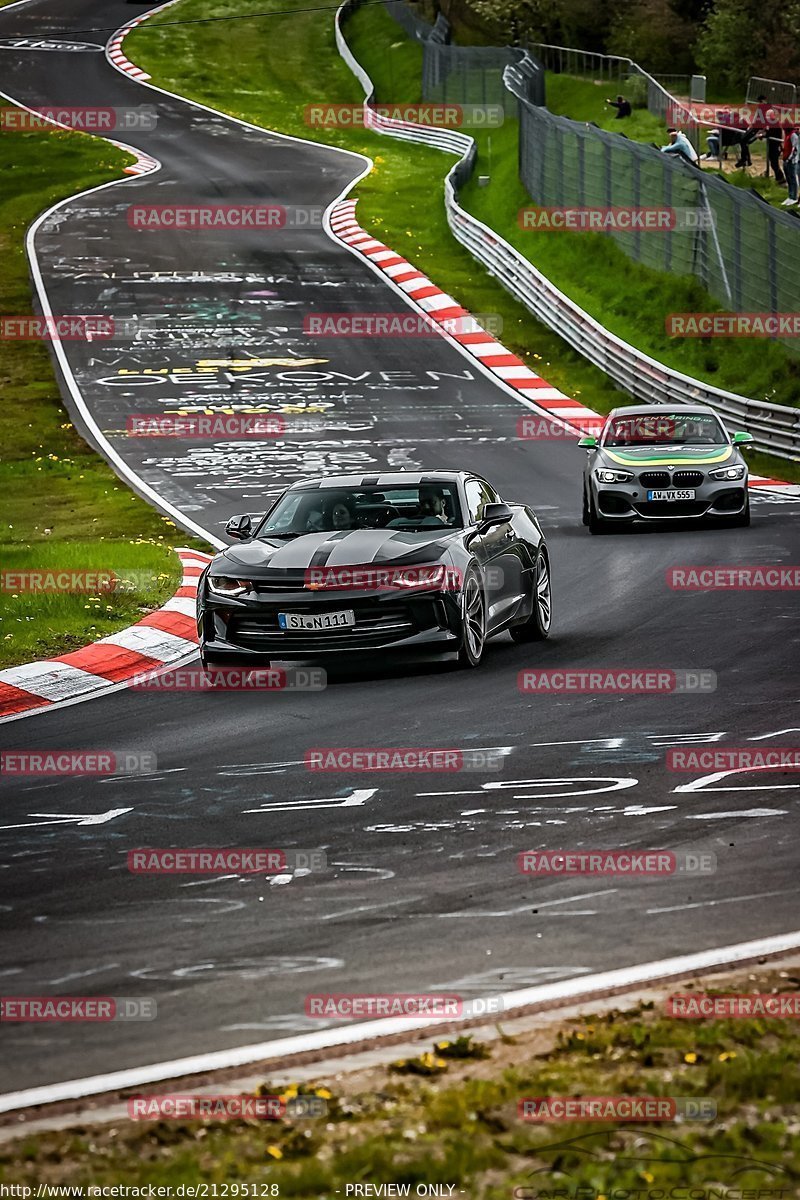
[537, 627]
[473, 621]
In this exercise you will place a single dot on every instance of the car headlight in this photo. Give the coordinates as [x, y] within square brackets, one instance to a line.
[605, 475]
[437, 578]
[221, 585]
[727, 473]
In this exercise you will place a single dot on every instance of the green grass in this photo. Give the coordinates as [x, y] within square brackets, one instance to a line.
[62, 505]
[450, 1116]
[278, 71]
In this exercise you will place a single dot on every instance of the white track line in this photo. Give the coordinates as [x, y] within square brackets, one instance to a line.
[549, 995]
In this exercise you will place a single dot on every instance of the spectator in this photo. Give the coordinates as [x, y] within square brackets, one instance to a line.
[679, 144]
[790, 153]
[774, 136]
[622, 106]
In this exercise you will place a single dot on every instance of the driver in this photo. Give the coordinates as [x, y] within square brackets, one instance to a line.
[431, 504]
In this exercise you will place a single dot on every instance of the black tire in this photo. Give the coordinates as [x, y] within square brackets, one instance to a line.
[585, 508]
[743, 519]
[473, 621]
[596, 524]
[537, 626]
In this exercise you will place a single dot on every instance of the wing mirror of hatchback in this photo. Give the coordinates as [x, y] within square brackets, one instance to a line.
[495, 514]
[743, 440]
[239, 527]
[588, 443]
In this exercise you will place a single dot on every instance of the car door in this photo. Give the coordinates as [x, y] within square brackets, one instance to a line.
[497, 552]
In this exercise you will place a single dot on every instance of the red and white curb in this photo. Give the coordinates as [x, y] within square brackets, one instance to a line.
[442, 309]
[144, 163]
[160, 638]
[117, 55]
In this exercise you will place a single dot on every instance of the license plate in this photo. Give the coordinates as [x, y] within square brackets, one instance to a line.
[328, 620]
[673, 494]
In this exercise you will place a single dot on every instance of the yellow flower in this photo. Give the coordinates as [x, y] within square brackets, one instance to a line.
[324, 1093]
[274, 1152]
[690, 1058]
[726, 1054]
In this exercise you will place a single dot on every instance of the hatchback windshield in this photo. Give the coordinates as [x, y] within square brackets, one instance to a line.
[668, 428]
[427, 506]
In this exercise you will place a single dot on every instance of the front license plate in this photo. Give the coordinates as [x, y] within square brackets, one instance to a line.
[686, 494]
[328, 620]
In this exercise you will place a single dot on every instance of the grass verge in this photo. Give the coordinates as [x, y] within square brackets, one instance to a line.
[278, 60]
[63, 507]
[450, 1116]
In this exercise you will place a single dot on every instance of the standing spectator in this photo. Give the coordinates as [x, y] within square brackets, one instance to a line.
[790, 154]
[774, 136]
[622, 106]
[680, 144]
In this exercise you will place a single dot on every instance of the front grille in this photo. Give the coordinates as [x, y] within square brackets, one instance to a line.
[674, 508]
[654, 479]
[688, 478]
[375, 624]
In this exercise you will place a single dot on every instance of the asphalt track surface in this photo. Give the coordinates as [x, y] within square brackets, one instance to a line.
[422, 892]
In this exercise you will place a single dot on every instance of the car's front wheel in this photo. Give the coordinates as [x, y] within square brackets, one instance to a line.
[537, 627]
[743, 519]
[473, 621]
[596, 524]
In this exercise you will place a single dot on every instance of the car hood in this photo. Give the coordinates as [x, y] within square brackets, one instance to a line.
[647, 456]
[347, 548]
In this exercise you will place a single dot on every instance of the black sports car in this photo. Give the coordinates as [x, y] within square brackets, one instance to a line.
[431, 562]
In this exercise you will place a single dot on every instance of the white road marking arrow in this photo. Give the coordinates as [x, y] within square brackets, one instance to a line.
[359, 796]
[76, 819]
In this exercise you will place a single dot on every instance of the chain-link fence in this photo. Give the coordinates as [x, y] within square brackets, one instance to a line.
[466, 75]
[745, 253]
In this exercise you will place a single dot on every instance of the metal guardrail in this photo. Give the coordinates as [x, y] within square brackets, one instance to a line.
[775, 427]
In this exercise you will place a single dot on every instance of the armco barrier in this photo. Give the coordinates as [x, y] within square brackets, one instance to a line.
[775, 427]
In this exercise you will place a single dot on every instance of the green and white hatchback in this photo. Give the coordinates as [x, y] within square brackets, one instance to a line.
[652, 463]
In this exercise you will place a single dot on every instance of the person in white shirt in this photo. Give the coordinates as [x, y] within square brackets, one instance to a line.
[680, 144]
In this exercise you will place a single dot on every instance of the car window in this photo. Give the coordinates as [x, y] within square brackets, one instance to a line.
[479, 494]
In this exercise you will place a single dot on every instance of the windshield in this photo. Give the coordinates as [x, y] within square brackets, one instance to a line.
[426, 506]
[681, 428]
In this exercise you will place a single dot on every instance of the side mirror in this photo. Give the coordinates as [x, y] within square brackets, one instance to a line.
[239, 527]
[495, 514]
[742, 439]
[588, 443]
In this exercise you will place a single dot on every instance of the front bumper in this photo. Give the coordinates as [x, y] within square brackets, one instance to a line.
[713, 500]
[245, 630]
